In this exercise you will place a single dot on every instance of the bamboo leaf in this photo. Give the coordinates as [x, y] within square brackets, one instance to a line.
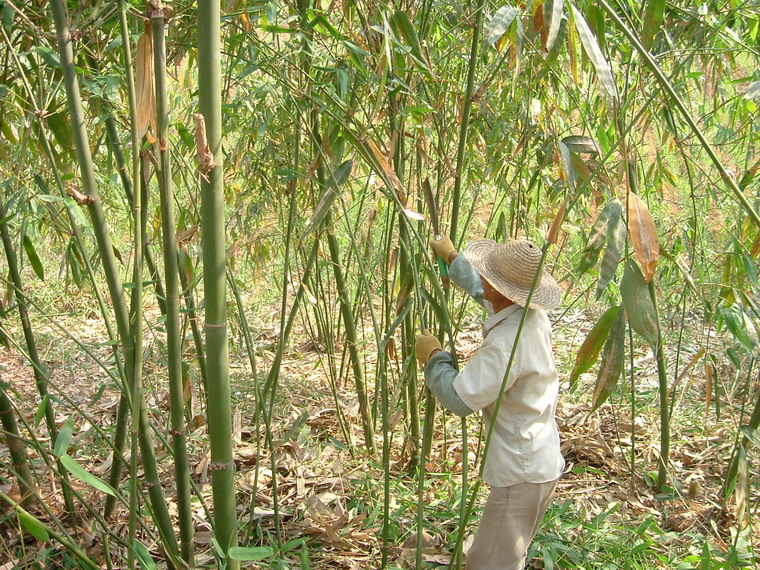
[326, 201]
[60, 126]
[594, 52]
[751, 434]
[733, 318]
[612, 361]
[145, 85]
[643, 235]
[654, 13]
[608, 218]
[580, 143]
[557, 224]
[63, 440]
[250, 553]
[34, 259]
[403, 26]
[73, 467]
[593, 344]
[566, 162]
[49, 56]
[612, 256]
[753, 91]
[76, 213]
[499, 24]
[144, 558]
[33, 525]
[552, 20]
[41, 410]
[638, 303]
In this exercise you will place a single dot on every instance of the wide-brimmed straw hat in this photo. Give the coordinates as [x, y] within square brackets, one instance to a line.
[511, 268]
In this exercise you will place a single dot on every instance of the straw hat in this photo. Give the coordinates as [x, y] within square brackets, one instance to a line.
[511, 268]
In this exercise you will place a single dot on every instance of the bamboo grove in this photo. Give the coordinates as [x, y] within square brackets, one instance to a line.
[181, 169]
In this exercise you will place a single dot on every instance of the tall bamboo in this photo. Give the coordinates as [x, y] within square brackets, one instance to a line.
[465, 125]
[171, 280]
[214, 265]
[108, 258]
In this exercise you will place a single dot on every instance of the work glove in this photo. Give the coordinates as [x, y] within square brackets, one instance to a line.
[425, 344]
[443, 247]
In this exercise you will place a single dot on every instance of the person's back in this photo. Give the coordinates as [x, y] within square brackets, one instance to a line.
[523, 458]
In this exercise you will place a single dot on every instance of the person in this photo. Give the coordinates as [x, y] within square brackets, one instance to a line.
[524, 461]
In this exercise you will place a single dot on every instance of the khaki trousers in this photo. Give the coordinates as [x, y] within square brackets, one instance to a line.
[511, 517]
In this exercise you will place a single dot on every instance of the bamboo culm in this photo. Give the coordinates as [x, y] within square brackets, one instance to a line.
[171, 280]
[214, 268]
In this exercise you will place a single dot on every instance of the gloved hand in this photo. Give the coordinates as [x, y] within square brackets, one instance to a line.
[443, 247]
[425, 345]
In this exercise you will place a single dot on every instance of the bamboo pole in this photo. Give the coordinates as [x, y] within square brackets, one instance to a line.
[219, 409]
[465, 125]
[97, 217]
[156, 12]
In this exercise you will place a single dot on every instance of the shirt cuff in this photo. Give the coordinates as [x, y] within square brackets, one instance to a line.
[440, 373]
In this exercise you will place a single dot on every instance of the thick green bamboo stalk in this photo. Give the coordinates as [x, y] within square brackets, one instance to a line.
[214, 265]
[97, 217]
[133, 386]
[19, 461]
[465, 125]
[95, 210]
[171, 279]
[40, 371]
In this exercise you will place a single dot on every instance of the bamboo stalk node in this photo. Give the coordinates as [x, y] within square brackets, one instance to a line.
[79, 197]
[221, 466]
[206, 161]
[157, 9]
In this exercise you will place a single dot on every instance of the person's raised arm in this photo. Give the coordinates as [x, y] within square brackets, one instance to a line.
[460, 270]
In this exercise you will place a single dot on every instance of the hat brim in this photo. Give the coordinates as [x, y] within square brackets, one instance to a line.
[547, 294]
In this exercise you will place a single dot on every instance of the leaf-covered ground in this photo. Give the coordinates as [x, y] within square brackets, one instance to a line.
[330, 492]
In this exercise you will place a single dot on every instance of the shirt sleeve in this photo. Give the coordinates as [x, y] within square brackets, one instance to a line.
[439, 376]
[467, 277]
[479, 383]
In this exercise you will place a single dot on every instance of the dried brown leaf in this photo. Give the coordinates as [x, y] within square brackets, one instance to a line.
[643, 235]
[557, 223]
[145, 85]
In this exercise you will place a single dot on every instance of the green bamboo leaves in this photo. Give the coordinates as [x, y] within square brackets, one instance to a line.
[499, 24]
[638, 303]
[654, 13]
[31, 253]
[552, 21]
[609, 230]
[607, 337]
[592, 346]
[612, 361]
[327, 199]
[594, 52]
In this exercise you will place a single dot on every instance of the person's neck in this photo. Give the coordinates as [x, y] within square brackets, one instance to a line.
[501, 304]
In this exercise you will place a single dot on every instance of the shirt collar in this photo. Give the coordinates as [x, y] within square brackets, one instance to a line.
[497, 318]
